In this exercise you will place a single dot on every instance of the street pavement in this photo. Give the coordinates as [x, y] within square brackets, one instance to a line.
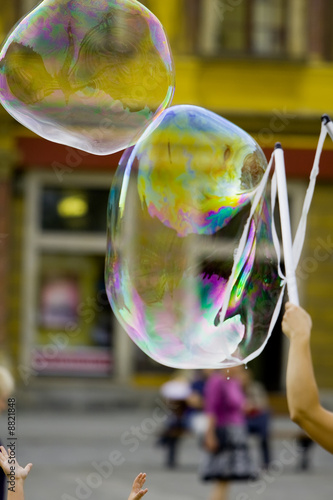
[83, 453]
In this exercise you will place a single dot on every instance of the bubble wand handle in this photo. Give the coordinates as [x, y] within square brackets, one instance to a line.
[285, 224]
[328, 124]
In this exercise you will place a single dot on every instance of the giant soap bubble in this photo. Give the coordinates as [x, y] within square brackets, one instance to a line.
[91, 74]
[179, 203]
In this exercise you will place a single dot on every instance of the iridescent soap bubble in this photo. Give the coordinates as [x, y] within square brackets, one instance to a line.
[179, 203]
[91, 74]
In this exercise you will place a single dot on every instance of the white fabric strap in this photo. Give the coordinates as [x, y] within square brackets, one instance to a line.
[243, 240]
[277, 248]
[297, 244]
[275, 316]
[301, 229]
[300, 234]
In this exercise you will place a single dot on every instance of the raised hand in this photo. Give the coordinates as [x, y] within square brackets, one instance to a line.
[137, 492]
[11, 467]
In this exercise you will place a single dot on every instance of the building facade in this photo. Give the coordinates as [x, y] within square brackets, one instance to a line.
[265, 65]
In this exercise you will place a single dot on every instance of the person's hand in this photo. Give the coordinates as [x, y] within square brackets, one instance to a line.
[11, 467]
[137, 492]
[211, 442]
[195, 400]
[296, 322]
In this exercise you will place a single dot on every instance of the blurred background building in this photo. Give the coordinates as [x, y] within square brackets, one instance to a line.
[266, 65]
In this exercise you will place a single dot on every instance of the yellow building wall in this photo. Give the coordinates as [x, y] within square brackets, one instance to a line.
[7, 18]
[254, 86]
[315, 274]
[243, 85]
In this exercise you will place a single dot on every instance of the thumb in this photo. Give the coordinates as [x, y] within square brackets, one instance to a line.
[141, 494]
[27, 468]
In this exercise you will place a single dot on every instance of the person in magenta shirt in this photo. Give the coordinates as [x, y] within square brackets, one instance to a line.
[225, 399]
[227, 455]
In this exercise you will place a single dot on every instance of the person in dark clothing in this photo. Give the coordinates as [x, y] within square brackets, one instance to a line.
[257, 414]
[175, 393]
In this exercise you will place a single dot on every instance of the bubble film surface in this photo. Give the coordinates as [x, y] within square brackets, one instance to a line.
[91, 74]
[178, 205]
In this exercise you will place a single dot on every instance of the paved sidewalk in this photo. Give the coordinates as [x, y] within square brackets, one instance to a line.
[96, 454]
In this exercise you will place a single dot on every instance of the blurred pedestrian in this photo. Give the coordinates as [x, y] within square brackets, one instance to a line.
[302, 392]
[227, 456]
[257, 414]
[305, 445]
[196, 416]
[175, 393]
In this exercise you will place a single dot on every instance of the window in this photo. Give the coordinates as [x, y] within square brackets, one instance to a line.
[268, 22]
[72, 329]
[73, 209]
[254, 27]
